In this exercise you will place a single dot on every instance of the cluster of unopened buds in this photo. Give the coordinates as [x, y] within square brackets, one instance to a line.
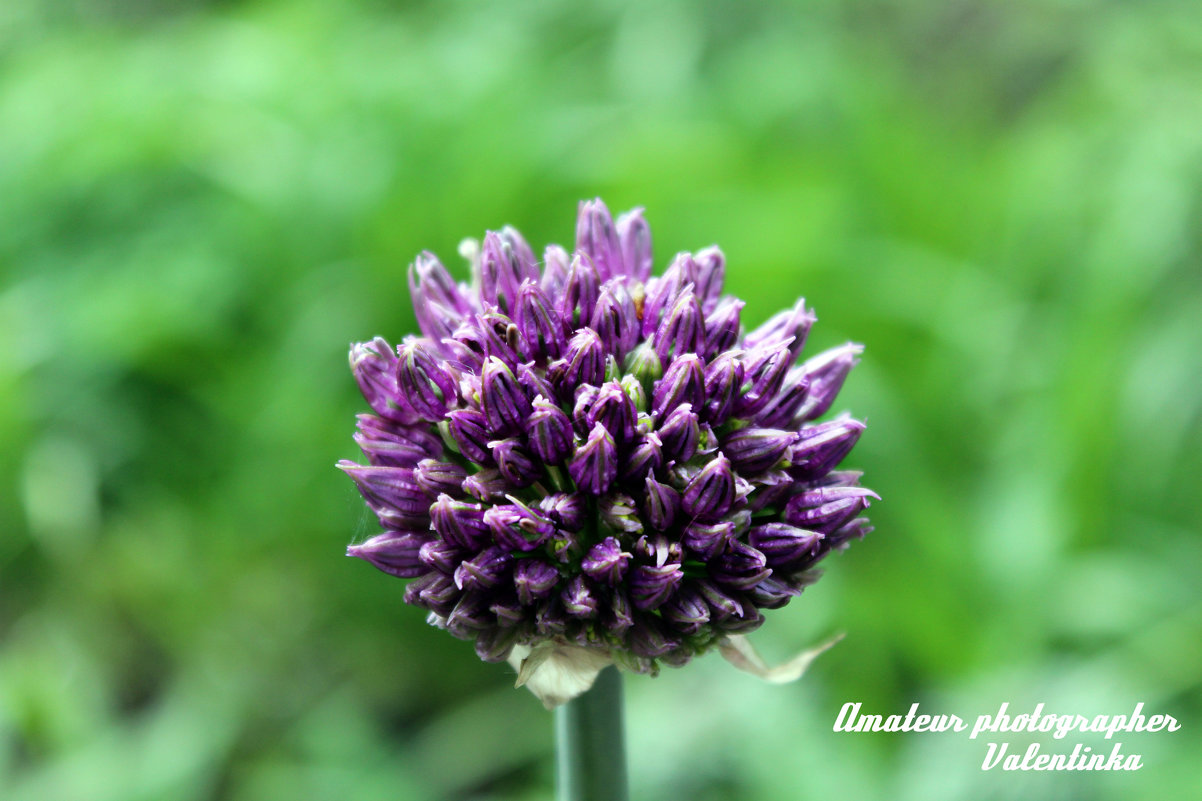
[580, 463]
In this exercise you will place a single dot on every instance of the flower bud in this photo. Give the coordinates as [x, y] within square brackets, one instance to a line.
[711, 273]
[486, 485]
[785, 329]
[516, 527]
[765, 370]
[661, 504]
[580, 291]
[711, 492]
[597, 238]
[820, 447]
[782, 544]
[583, 363]
[662, 291]
[826, 373]
[549, 431]
[501, 337]
[484, 571]
[539, 323]
[433, 591]
[606, 562]
[566, 509]
[555, 270]
[615, 319]
[436, 478]
[647, 638]
[687, 610]
[426, 387]
[682, 330]
[634, 238]
[684, 382]
[459, 523]
[534, 579]
[390, 444]
[646, 457]
[613, 410]
[826, 509]
[514, 463]
[504, 400]
[578, 600]
[441, 556]
[504, 264]
[470, 431]
[739, 567]
[754, 450]
[595, 463]
[651, 585]
[707, 539]
[394, 552]
[391, 492]
[680, 433]
[722, 326]
[374, 365]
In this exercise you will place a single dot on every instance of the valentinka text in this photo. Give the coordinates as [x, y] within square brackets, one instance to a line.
[1081, 757]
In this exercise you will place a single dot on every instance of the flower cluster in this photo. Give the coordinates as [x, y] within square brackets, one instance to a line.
[579, 453]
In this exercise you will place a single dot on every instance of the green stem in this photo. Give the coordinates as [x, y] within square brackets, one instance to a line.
[591, 745]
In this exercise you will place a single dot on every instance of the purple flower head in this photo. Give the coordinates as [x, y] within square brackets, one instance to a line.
[578, 454]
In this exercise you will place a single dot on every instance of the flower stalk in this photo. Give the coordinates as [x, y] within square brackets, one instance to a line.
[590, 743]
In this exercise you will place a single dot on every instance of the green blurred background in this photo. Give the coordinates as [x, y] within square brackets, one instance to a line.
[202, 204]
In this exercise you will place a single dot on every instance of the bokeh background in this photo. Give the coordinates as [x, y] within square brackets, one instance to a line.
[202, 204]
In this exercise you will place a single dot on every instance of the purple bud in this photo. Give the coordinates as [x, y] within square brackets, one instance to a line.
[486, 485]
[661, 504]
[615, 319]
[533, 382]
[612, 409]
[634, 237]
[595, 464]
[619, 513]
[680, 433]
[501, 337]
[597, 238]
[386, 443]
[782, 544]
[391, 492]
[682, 330]
[856, 529]
[516, 527]
[495, 644]
[683, 383]
[826, 373]
[687, 611]
[566, 509]
[781, 409]
[711, 273]
[427, 388]
[433, 591]
[534, 579]
[437, 301]
[394, 552]
[555, 270]
[826, 509]
[820, 447]
[508, 610]
[550, 620]
[647, 638]
[646, 457]
[441, 556]
[606, 562]
[754, 450]
[739, 567]
[619, 616]
[748, 622]
[765, 370]
[459, 523]
[578, 600]
[584, 362]
[711, 492]
[467, 346]
[771, 489]
[723, 603]
[469, 428]
[722, 326]
[772, 593]
[662, 291]
[514, 462]
[707, 539]
[503, 267]
[484, 571]
[580, 291]
[651, 585]
[539, 323]
[785, 329]
[723, 382]
[374, 366]
[436, 478]
[549, 431]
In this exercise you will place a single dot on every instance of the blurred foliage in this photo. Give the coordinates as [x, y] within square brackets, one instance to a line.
[202, 204]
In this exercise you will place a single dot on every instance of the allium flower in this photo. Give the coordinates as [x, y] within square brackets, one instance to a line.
[579, 463]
